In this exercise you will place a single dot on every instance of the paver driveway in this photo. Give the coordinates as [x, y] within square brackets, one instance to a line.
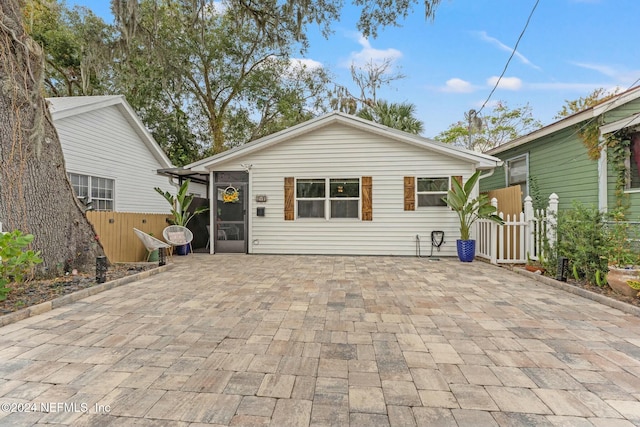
[307, 340]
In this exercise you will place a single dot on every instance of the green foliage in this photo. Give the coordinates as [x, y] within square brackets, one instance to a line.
[180, 204]
[619, 236]
[618, 152]
[589, 132]
[591, 243]
[502, 125]
[470, 210]
[596, 97]
[397, 116]
[77, 47]
[15, 261]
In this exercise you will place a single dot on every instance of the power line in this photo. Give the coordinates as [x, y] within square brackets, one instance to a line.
[513, 52]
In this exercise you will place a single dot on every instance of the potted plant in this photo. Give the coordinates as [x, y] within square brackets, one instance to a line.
[535, 266]
[469, 211]
[180, 203]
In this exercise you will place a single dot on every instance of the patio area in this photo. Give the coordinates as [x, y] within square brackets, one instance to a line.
[242, 340]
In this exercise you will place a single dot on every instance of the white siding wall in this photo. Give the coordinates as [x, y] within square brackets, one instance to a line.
[102, 143]
[338, 151]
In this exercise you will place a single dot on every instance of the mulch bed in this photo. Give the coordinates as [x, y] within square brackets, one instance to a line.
[37, 291]
[605, 290]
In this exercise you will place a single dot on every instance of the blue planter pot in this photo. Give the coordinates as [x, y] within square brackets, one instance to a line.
[182, 250]
[466, 250]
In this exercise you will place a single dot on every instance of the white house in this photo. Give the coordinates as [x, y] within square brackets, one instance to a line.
[336, 184]
[111, 158]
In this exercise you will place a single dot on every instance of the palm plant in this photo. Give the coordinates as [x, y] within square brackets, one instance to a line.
[470, 210]
[393, 115]
[180, 204]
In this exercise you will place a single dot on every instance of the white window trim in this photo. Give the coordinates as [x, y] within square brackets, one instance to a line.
[327, 199]
[506, 170]
[89, 188]
[443, 193]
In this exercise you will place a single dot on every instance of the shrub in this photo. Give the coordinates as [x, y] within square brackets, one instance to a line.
[15, 261]
[583, 240]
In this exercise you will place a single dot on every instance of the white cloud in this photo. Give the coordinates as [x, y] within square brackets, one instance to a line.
[507, 83]
[485, 37]
[309, 64]
[370, 54]
[456, 85]
[620, 74]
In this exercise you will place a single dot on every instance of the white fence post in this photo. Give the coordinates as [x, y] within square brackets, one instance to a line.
[493, 231]
[552, 219]
[529, 217]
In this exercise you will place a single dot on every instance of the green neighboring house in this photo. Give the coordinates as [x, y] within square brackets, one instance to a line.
[554, 159]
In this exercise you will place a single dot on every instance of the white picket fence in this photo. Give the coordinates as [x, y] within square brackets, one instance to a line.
[520, 237]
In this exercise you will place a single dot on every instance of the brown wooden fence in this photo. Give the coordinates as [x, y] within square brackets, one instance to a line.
[510, 205]
[115, 230]
[509, 199]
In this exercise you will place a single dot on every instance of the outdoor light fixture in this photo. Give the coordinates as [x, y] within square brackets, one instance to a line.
[101, 269]
[563, 269]
[161, 257]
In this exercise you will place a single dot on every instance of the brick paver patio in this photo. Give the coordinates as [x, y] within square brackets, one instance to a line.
[312, 341]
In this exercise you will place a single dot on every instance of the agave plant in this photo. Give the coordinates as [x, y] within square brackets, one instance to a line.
[180, 204]
[470, 210]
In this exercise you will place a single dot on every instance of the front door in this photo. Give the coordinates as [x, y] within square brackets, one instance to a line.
[231, 213]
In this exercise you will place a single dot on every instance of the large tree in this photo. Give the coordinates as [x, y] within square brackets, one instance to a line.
[483, 133]
[35, 194]
[235, 80]
[77, 47]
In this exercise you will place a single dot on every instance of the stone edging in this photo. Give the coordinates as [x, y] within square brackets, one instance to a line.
[603, 299]
[78, 295]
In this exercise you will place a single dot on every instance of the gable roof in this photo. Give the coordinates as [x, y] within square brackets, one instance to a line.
[579, 117]
[68, 106]
[482, 161]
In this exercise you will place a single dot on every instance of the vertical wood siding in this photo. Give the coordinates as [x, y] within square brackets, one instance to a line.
[115, 230]
[338, 151]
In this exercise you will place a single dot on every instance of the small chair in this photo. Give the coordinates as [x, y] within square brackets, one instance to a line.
[150, 242]
[177, 235]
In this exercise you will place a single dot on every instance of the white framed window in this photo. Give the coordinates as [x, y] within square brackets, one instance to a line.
[431, 190]
[95, 190]
[517, 173]
[328, 198]
[310, 198]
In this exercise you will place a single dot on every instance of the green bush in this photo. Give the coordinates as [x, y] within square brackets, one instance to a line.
[582, 238]
[15, 261]
[593, 241]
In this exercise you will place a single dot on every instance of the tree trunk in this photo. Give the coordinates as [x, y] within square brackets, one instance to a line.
[35, 194]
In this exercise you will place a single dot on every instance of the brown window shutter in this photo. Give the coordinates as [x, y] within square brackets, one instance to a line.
[289, 210]
[409, 193]
[367, 202]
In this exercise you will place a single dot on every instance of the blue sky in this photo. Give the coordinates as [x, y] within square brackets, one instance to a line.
[570, 48]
